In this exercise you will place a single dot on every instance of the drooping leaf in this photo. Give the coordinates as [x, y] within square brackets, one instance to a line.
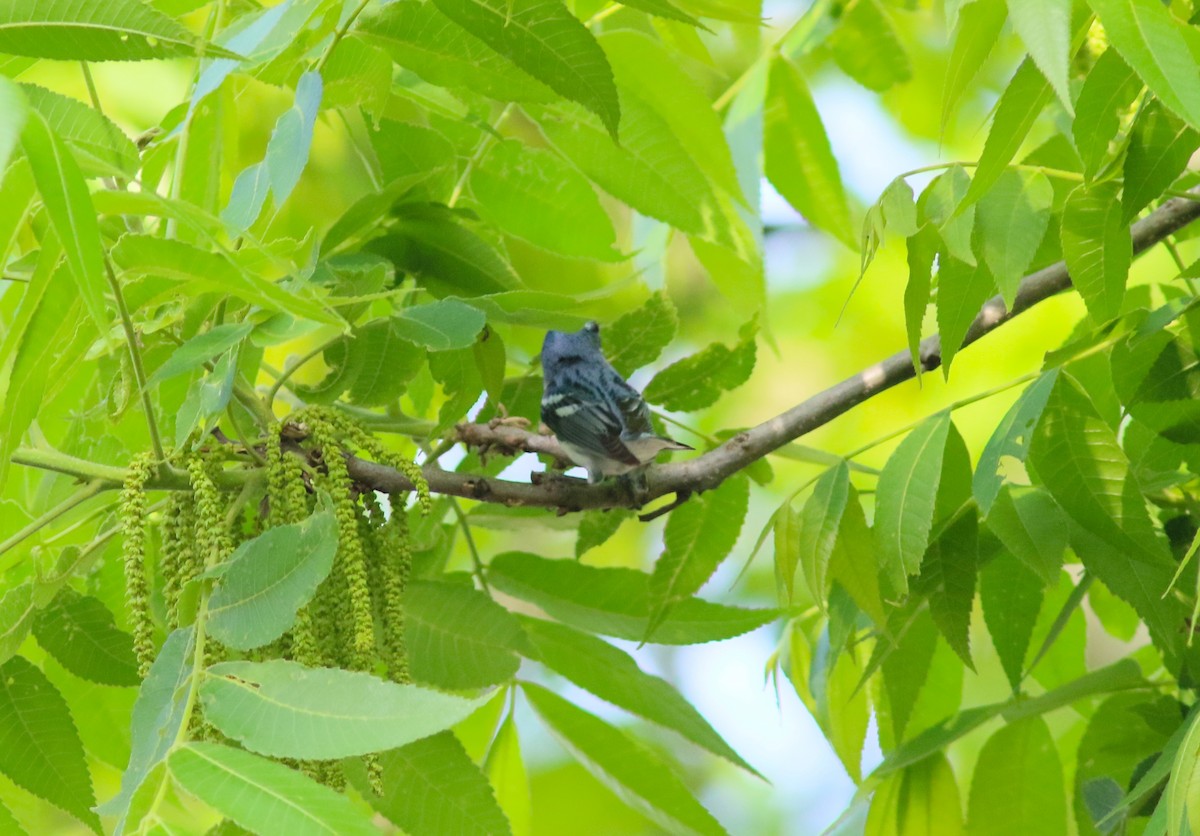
[505, 770]
[1045, 28]
[357, 73]
[1011, 595]
[200, 349]
[943, 205]
[1032, 527]
[1157, 47]
[262, 795]
[1097, 248]
[853, 563]
[120, 30]
[786, 532]
[458, 637]
[978, 32]
[597, 527]
[922, 249]
[206, 399]
[17, 609]
[39, 744]
[81, 633]
[13, 110]
[613, 675]
[906, 658]
[100, 147]
[842, 709]
[269, 578]
[1012, 219]
[920, 799]
[665, 9]
[948, 568]
[639, 336]
[962, 290]
[543, 38]
[432, 786]
[867, 47]
[440, 326]
[285, 709]
[798, 159]
[698, 381]
[1107, 92]
[905, 497]
[1018, 783]
[615, 602]
[1011, 439]
[620, 762]
[819, 526]
[1160, 145]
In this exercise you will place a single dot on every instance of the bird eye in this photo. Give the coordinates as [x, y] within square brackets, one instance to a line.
[592, 327]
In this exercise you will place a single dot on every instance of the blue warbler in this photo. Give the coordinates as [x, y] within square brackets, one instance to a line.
[600, 421]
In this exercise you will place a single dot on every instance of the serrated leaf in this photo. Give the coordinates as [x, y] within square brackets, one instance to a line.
[69, 208]
[977, 33]
[597, 527]
[200, 349]
[615, 602]
[1179, 794]
[962, 290]
[866, 46]
[17, 609]
[434, 787]
[440, 326]
[942, 204]
[906, 665]
[505, 770]
[268, 579]
[537, 196]
[842, 711]
[1018, 783]
[664, 9]
[543, 38]
[13, 113]
[290, 142]
[697, 381]
[922, 798]
[285, 709]
[819, 525]
[1011, 596]
[1097, 248]
[357, 74]
[262, 795]
[798, 159]
[698, 536]
[81, 633]
[1045, 28]
[623, 764]
[1019, 107]
[1032, 527]
[116, 30]
[1107, 92]
[1158, 48]
[613, 675]
[639, 336]
[905, 497]
[921, 250]
[206, 398]
[420, 38]
[1160, 145]
[459, 377]
[1012, 219]
[100, 147]
[1011, 439]
[458, 637]
[786, 533]
[40, 749]
[853, 563]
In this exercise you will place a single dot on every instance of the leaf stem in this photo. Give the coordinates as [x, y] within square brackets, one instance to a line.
[339, 34]
[484, 143]
[290, 370]
[135, 354]
[466, 528]
[82, 495]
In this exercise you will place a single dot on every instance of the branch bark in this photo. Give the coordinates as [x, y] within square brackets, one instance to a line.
[706, 471]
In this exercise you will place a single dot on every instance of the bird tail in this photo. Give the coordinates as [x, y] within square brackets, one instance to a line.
[672, 444]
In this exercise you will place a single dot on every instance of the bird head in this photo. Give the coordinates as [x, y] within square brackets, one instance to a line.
[563, 349]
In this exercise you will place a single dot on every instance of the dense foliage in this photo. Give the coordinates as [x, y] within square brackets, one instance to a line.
[271, 299]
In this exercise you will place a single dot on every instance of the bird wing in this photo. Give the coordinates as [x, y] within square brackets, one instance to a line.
[591, 425]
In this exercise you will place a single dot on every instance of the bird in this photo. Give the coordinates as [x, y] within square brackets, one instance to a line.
[601, 422]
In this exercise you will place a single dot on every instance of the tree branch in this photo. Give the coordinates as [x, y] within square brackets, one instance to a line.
[702, 473]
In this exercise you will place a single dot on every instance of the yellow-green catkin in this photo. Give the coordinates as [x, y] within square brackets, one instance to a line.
[351, 558]
[396, 551]
[178, 547]
[133, 531]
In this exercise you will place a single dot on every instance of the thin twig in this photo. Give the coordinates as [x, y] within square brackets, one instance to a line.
[135, 355]
[466, 529]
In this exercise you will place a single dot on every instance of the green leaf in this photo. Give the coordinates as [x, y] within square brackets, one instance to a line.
[458, 637]
[1155, 379]
[268, 579]
[422, 39]
[206, 399]
[1160, 145]
[1106, 94]
[440, 326]
[158, 716]
[639, 336]
[458, 374]
[1012, 219]
[922, 798]
[922, 249]
[615, 602]
[1097, 248]
[909, 651]
[284, 709]
[597, 527]
[100, 147]
[628, 767]
[9, 824]
[904, 500]
[1045, 28]
[842, 711]
[943, 205]
[116, 30]
[613, 675]
[537, 196]
[13, 113]
[797, 157]
[1179, 790]
[651, 169]
[262, 795]
[786, 525]
[1157, 47]
[962, 290]
[200, 349]
[1033, 528]
[867, 47]
[357, 74]
[977, 34]
[373, 363]
[80, 632]
[434, 787]
[1011, 596]
[69, 208]
[506, 773]
[819, 525]
[1011, 439]
[543, 38]
[17, 609]
[39, 745]
[1019, 107]
[662, 8]
[853, 562]
[697, 381]
[290, 142]
[1018, 783]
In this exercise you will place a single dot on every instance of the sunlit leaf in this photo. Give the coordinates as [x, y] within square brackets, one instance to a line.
[1045, 28]
[80, 632]
[1012, 219]
[978, 32]
[1107, 92]
[1160, 145]
[698, 381]
[1018, 782]
[458, 637]
[1097, 248]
